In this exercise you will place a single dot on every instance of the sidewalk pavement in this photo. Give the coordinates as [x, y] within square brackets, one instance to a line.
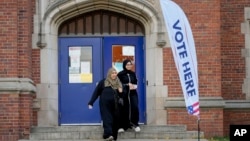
[127, 140]
[161, 140]
[154, 140]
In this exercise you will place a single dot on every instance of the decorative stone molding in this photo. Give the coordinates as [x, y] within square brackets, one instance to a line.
[41, 42]
[247, 13]
[161, 42]
[50, 2]
[237, 104]
[17, 85]
[245, 29]
[205, 102]
[36, 104]
[209, 102]
[151, 1]
[138, 9]
[245, 86]
[245, 52]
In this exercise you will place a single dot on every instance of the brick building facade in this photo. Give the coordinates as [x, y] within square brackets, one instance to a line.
[29, 68]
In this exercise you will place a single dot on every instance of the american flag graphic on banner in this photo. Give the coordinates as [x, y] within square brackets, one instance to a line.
[194, 109]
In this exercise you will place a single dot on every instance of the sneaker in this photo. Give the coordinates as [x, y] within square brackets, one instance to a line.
[121, 130]
[110, 138]
[137, 129]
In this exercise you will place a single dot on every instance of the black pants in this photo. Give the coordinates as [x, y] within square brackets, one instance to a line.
[129, 113]
[110, 115]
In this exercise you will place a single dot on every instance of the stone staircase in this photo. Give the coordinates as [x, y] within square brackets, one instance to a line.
[93, 133]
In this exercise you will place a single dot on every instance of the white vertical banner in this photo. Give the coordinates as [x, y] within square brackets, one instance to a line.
[183, 48]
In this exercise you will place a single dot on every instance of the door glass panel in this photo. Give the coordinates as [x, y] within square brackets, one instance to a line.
[120, 53]
[80, 64]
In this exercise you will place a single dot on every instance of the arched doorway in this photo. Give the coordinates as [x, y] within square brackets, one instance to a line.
[89, 45]
[54, 13]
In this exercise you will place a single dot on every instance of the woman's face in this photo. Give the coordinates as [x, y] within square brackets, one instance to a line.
[129, 66]
[113, 75]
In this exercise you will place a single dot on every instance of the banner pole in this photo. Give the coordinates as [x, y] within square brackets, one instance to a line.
[198, 128]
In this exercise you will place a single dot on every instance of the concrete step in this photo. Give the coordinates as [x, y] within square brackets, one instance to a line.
[92, 133]
[155, 128]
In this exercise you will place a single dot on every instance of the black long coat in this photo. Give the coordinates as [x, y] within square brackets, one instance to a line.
[130, 110]
[108, 110]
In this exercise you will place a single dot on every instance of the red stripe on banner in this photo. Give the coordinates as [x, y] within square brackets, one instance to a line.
[196, 104]
[196, 108]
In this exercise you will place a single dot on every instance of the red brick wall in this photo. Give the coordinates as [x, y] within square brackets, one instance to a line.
[24, 23]
[36, 65]
[16, 113]
[9, 117]
[211, 122]
[233, 70]
[15, 41]
[9, 103]
[35, 75]
[8, 40]
[26, 115]
[15, 116]
[235, 117]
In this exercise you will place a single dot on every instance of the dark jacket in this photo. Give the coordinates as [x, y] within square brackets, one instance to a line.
[128, 77]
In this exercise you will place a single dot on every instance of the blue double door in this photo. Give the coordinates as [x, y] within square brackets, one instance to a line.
[83, 62]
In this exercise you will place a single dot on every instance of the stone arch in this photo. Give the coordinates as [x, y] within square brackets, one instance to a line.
[143, 11]
[62, 10]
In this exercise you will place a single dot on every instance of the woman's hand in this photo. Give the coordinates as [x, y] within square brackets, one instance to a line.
[131, 86]
[90, 106]
[120, 90]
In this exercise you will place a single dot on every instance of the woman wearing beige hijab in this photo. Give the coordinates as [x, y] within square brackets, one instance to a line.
[108, 89]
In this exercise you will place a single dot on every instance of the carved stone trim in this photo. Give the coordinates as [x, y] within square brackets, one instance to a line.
[36, 104]
[161, 42]
[245, 52]
[245, 86]
[247, 13]
[237, 104]
[209, 102]
[17, 85]
[245, 29]
[50, 2]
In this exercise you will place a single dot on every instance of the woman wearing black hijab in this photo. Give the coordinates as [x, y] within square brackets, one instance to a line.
[129, 111]
[108, 89]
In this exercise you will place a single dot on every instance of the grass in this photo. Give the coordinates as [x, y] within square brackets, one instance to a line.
[219, 139]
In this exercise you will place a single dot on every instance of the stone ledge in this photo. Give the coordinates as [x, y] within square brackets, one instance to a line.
[209, 102]
[17, 85]
[237, 104]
